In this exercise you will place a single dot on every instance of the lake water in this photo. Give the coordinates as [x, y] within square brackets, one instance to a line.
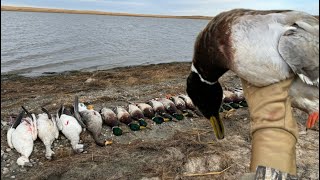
[35, 43]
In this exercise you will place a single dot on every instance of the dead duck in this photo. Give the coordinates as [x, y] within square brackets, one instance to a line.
[171, 108]
[146, 109]
[92, 119]
[181, 105]
[137, 115]
[159, 110]
[47, 131]
[148, 112]
[178, 102]
[124, 117]
[110, 119]
[291, 49]
[188, 101]
[190, 105]
[70, 127]
[233, 100]
[21, 136]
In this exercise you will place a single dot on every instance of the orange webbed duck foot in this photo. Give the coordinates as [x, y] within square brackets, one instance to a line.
[313, 118]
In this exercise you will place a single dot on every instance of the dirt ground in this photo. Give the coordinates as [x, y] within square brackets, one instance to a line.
[171, 150]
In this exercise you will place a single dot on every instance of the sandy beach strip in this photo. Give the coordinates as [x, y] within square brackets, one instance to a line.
[69, 11]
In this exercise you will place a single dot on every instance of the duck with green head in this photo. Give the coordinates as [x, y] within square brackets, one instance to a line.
[160, 110]
[171, 108]
[111, 120]
[262, 48]
[148, 112]
[124, 117]
[181, 105]
[137, 115]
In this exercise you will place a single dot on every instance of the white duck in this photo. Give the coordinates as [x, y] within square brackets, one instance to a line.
[47, 131]
[261, 47]
[21, 136]
[70, 127]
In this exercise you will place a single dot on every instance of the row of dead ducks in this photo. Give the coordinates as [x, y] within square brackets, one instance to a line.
[71, 121]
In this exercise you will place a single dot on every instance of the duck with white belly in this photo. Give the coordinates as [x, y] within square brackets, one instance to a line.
[160, 110]
[21, 136]
[111, 120]
[137, 115]
[181, 105]
[71, 127]
[189, 104]
[148, 112]
[124, 117]
[171, 108]
[47, 131]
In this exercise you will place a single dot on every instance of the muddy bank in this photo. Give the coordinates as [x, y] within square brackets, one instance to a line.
[166, 151]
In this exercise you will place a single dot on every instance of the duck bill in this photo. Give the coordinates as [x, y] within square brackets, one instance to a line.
[47, 112]
[28, 113]
[76, 112]
[18, 119]
[217, 126]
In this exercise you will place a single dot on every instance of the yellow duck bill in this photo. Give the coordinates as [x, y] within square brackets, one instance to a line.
[217, 126]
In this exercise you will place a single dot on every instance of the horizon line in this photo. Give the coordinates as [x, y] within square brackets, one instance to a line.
[96, 12]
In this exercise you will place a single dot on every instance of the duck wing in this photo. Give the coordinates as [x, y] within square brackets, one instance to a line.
[299, 48]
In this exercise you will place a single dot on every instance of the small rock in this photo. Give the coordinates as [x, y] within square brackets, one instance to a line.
[8, 149]
[7, 165]
[2, 153]
[40, 163]
[4, 123]
[5, 171]
[5, 156]
[85, 152]
[89, 80]
[12, 177]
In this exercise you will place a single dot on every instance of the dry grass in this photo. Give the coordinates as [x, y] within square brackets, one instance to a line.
[51, 10]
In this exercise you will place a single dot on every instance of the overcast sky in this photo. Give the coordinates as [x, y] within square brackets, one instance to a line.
[171, 7]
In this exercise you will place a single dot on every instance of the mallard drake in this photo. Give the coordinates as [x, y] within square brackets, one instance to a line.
[110, 119]
[148, 112]
[124, 117]
[159, 110]
[188, 101]
[261, 47]
[170, 108]
[137, 115]
[181, 105]
[47, 130]
[21, 136]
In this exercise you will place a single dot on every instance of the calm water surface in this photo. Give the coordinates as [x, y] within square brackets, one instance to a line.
[34, 43]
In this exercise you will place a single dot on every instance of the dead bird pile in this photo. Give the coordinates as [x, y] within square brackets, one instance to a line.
[72, 120]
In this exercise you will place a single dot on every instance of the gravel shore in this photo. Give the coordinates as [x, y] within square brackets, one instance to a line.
[171, 150]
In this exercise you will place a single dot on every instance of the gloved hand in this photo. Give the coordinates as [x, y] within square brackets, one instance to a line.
[274, 130]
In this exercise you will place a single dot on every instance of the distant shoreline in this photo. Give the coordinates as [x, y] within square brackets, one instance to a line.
[69, 11]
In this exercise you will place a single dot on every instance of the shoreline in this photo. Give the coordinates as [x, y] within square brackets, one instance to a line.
[70, 11]
[13, 75]
[171, 147]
